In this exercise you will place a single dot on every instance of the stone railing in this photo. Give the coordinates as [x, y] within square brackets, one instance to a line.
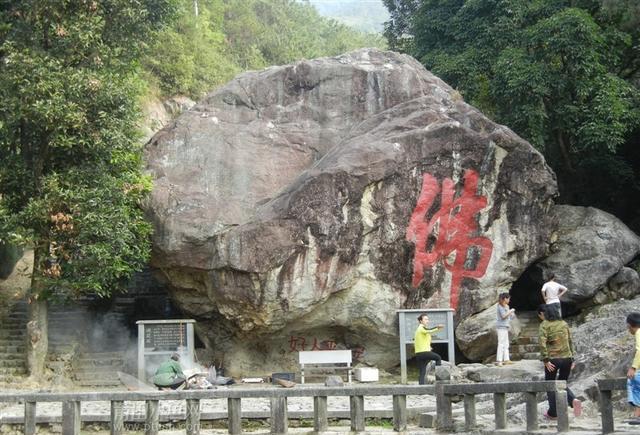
[606, 388]
[278, 398]
[444, 392]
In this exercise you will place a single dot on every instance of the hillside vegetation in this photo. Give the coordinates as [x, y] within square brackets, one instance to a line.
[210, 41]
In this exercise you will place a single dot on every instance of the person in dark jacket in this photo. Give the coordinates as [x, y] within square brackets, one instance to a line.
[169, 374]
[556, 352]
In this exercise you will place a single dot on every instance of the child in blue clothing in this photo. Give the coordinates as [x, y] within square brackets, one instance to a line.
[633, 377]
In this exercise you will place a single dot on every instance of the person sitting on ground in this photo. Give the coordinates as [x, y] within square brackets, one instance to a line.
[169, 374]
[633, 376]
[422, 346]
[556, 352]
[552, 292]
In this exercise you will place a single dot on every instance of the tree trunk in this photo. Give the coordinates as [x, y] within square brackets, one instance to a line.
[37, 326]
[564, 151]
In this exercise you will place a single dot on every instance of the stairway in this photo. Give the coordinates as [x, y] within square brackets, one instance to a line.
[67, 327]
[525, 346]
[13, 331]
[97, 340]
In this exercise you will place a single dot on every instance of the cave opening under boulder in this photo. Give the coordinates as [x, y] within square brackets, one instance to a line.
[526, 295]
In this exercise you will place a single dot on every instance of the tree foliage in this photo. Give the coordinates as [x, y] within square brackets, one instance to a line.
[562, 74]
[70, 163]
[226, 37]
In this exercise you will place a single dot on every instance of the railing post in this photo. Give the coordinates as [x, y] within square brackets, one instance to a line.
[117, 417]
[193, 417]
[152, 418]
[500, 409]
[320, 415]
[234, 411]
[561, 409]
[71, 418]
[444, 415]
[29, 418]
[399, 413]
[532, 411]
[606, 411]
[279, 419]
[469, 411]
[357, 413]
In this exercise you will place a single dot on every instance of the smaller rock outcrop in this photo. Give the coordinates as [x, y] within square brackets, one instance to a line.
[591, 247]
[602, 342]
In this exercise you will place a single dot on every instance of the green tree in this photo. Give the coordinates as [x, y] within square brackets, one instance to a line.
[70, 163]
[226, 37]
[560, 73]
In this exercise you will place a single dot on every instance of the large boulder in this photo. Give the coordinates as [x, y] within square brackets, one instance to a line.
[298, 207]
[591, 247]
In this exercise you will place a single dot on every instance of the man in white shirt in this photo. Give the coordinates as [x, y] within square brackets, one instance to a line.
[551, 293]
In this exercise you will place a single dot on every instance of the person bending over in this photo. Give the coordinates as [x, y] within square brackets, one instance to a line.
[169, 374]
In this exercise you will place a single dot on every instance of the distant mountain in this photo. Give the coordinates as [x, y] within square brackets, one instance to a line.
[365, 15]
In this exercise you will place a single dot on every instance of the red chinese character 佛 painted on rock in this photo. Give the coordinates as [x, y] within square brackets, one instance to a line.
[451, 230]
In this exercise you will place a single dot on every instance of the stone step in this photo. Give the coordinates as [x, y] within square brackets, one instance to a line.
[10, 380]
[13, 323]
[11, 355]
[60, 348]
[531, 355]
[10, 333]
[11, 363]
[524, 348]
[11, 342]
[97, 376]
[14, 370]
[97, 371]
[527, 340]
[12, 349]
[100, 384]
[99, 356]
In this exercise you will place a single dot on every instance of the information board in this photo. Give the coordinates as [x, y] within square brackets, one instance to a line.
[158, 339]
[165, 336]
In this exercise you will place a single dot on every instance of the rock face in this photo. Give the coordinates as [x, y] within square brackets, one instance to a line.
[604, 347]
[591, 247]
[157, 114]
[298, 207]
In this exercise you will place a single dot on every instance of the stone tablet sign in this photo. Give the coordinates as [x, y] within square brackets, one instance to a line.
[158, 339]
[407, 324]
[165, 336]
